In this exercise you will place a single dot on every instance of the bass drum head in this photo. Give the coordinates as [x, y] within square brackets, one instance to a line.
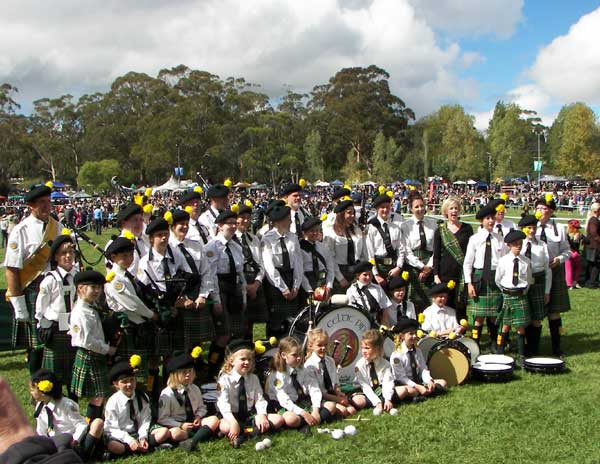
[451, 361]
[495, 359]
[426, 344]
[346, 325]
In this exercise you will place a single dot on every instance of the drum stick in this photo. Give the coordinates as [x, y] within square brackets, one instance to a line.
[348, 349]
[336, 344]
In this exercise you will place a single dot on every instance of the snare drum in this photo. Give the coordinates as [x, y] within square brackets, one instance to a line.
[210, 394]
[344, 324]
[491, 372]
[450, 360]
[496, 359]
[544, 365]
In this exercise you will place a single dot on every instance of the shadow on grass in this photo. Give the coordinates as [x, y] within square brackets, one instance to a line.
[14, 365]
[580, 343]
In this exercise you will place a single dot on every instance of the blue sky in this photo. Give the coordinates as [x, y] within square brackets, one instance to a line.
[539, 54]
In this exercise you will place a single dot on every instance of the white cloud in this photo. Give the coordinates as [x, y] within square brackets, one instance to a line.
[568, 68]
[472, 17]
[51, 48]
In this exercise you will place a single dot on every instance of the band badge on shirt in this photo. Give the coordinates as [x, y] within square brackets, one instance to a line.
[118, 286]
[13, 245]
[76, 328]
[209, 254]
[396, 361]
[278, 383]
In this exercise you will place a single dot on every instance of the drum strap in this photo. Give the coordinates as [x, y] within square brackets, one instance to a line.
[413, 365]
[400, 311]
[326, 377]
[385, 235]
[370, 304]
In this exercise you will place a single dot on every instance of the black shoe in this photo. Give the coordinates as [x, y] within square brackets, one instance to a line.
[419, 399]
[238, 442]
[305, 430]
[188, 445]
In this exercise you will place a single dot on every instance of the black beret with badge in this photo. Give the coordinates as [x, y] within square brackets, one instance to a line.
[381, 199]
[342, 206]
[89, 277]
[120, 245]
[528, 220]
[224, 215]
[56, 243]
[362, 266]
[339, 193]
[486, 210]
[237, 345]
[278, 213]
[406, 325]
[311, 222]
[188, 196]
[514, 235]
[37, 191]
[180, 215]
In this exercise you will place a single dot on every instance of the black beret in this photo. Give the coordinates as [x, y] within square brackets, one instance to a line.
[357, 197]
[514, 235]
[55, 244]
[495, 202]
[189, 196]
[273, 204]
[362, 266]
[380, 199]
[120, 245]
[217, 191]
[120, 370]
[128, 211]
[224, 215]
[37, 191]
[406, 325]
[182, 361]
[289, 188]
[278, 213]
[528, 220]
[339, 193]
[439, 288]
[485, 211]
[342, 206]
[46, 374]
[157, 225]
[244, 209]
[310, 222]
[88, 277]
[237, 345]
[396, 282]
[180, 215]
[544, 202]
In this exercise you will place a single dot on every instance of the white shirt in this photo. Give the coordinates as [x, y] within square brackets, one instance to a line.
[556, 236]
[150, 269]
[117, 421]
[66, 418]
[355, 298]
[25, 238]
[439, 318]
[475, 255]
[272, 258]
[193, 233]
[228, 400]
[391, 313]
[208, 283]
[504, 272]
[313, 363]
[400, 361]
[338, 246]
[301, 217]
[327, 267]
[85, 328]
[506, 227]
[218, 261]
[255, 248]
[171, 413]
[281, 389]
[207, 219]
[412, 239]
[375, 246]
[50, 302]
[122, 298]
[384, 376]
[540, 260]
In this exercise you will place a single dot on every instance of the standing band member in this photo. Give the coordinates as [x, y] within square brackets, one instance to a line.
[131, 221]
[25, 261]
[339, 194]
[218, 197]
[555, 236]
[384, 241]
[283, 267]
[317, 262]
[191, 202]
[291, 193]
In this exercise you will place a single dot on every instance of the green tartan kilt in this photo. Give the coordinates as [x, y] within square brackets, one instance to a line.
[345, 270]
[417, 292]
[559, 293]
[137, 339]
[489, 299]
[59, 356]
[535, 297]
[256, 310]
[382, 268]
[90, 374]
[163, 341]
[232, 301]
[515, 311]
[280, 309]
[193, 327]
[24, 334]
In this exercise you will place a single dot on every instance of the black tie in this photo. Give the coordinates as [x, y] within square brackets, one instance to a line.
[373, 375]
[515, 279]
[413, 365]
[298, 226]
[188, 258]
[137, 248]
[201, 232]
[387, 241]
[132, 414]
[232, 270]
[189, 411]
[296, 384]
[499, 227]
[67, 294]
[422, 236]
[350, 254]
[528, 250]
[242, 400]
[543, 234]
[400, 312]
[326, 376]
[285, 256]
[487, 260]
[373, 306]
[165, 267]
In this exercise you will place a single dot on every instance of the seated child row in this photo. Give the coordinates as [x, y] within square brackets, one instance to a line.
[300, 392]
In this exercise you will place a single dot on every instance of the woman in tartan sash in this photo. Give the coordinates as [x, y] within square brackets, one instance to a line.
[449, 247]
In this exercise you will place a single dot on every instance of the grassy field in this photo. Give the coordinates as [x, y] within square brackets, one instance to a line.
[534, 418]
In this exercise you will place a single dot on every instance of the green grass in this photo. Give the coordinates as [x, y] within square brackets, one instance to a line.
[534, 418]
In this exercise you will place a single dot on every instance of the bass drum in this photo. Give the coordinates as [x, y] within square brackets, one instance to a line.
[344, 325]
[451, 361]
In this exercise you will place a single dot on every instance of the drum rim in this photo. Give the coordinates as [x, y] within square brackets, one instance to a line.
[554, 364]
[481, 368]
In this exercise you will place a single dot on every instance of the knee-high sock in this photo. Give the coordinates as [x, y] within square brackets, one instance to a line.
[554, 325]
